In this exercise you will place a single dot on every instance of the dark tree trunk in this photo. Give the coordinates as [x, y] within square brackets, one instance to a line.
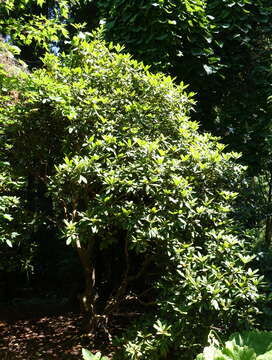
[268, 231]
[268, 223]
[88, 297]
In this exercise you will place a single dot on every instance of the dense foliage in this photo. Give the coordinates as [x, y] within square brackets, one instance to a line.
[13, 224]
[223, 50]
[128, 170]
[101, 154]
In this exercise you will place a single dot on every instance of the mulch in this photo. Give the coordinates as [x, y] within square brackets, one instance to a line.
[31, 335]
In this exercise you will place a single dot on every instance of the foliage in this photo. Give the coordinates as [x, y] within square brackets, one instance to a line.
[37, 26]
[14, 219]
[204, 290]
[201, 31]
[116, 164]
[246, 345]
[170, 26]
[117, 161]
[8, 208]
[9, 203]
[87, 355]
[24, 27]
[156, 187]
[223, 50]
[154, 210]
[217, 47]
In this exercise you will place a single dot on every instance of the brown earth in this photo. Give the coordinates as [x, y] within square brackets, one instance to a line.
[45, 334]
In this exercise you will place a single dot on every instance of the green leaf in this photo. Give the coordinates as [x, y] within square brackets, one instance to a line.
[82, 179]
[209, 70]
[260, 341]
[87, 355]
[40, 2]
[9, 243]
[8, 217]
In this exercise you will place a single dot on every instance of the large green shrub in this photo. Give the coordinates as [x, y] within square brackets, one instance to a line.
[128, 171]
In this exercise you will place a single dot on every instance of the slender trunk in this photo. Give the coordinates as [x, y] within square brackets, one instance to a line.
[268, 231]
[88, 297]
[268, 223]
[92, 319]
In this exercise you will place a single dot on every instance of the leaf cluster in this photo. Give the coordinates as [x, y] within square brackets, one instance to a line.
[221, 48]
[246, 345]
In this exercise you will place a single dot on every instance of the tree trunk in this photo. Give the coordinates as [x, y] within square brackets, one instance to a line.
[88, 297]
[268, 223]
[268, 231]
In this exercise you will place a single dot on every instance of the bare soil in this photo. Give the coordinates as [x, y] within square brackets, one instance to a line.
[30, 333]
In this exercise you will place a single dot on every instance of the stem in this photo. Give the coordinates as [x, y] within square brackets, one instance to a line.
[88, 298]
[268, 225]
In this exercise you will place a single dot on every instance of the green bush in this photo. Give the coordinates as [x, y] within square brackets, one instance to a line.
[203, 290]
[128, 171]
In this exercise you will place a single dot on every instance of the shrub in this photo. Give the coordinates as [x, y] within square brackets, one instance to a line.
[128, 171]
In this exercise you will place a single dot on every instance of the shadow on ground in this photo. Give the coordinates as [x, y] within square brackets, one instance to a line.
[30, 334]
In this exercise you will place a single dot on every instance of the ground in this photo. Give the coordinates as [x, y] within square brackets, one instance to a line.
[44, 333]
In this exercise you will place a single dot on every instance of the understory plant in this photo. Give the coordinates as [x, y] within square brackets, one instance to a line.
[250, 345]
[15, 251]
[202, 290]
